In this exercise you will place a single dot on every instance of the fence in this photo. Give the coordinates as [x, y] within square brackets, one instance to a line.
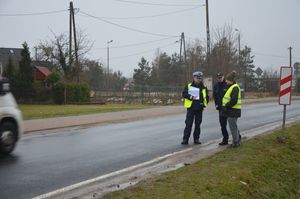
[140, 94]
[259, 87]
[170, 95]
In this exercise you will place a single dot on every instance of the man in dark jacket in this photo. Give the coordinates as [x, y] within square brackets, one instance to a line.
[219, 91]
[231, 107]
[195, 100]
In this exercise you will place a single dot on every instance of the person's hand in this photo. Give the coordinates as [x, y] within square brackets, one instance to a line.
[194, 98]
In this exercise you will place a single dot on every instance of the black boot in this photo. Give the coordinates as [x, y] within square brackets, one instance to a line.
[223, 143]
[185, 142]
[197, 142]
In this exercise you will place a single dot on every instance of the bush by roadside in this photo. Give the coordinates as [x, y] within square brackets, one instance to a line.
[260, 168]
[74, 92]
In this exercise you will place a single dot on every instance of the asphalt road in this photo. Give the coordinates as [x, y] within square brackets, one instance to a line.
[48, 162]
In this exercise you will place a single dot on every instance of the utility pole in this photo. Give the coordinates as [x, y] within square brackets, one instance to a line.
[182, 45]
[72, 25]
[76, 46]
[70, 34]
[180, 52]
[185, 60]
[245, 71]
[208, 38]
[108, 62]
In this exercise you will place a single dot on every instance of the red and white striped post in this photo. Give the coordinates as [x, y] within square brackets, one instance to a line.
[285, 90]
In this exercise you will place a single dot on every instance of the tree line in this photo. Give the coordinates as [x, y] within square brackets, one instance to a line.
[172, 70]
[165, 70]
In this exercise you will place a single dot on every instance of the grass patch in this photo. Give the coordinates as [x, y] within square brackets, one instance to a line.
[260, 168]
[48, 111]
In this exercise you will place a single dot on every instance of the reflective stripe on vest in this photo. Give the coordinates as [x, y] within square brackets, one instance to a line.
[227, 97]
[188, 103]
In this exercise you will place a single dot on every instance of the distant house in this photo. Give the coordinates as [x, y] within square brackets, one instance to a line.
[47, 64]
[41, 73]
[13, 53]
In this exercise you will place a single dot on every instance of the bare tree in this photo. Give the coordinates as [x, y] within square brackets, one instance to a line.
[195, 57]
[56, 51]
[224, 56]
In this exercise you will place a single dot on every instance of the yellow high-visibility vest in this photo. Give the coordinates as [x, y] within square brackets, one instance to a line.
[227, 97]
[188, 102]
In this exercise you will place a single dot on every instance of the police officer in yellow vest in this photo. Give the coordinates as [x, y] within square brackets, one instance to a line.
[231, 107]
[195, 100]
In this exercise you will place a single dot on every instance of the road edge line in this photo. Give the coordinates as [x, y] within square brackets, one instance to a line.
[112, 174]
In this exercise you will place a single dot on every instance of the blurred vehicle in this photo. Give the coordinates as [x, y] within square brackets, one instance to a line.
[11, 124]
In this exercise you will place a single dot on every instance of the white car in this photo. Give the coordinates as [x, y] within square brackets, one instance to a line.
[11, 124]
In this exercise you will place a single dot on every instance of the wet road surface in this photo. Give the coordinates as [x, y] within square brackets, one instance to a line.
[43, 163]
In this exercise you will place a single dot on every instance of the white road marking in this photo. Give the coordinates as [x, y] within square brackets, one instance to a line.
[87, 182]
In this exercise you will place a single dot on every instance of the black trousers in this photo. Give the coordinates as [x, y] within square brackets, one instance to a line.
[223, 123]
[190, 116]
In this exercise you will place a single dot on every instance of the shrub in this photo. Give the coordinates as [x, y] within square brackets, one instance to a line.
[75, 93]
[58, 93]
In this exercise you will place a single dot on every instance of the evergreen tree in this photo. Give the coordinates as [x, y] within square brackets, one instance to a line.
[25, 80]
[119, 81]
[142, 74]
[161, 68]
[176, 73]
[247, 69]
[9, 71]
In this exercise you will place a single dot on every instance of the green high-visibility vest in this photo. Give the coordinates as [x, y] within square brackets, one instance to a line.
[188, 102]
[227, 97]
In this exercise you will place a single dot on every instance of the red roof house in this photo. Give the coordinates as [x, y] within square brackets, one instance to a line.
[41, 72]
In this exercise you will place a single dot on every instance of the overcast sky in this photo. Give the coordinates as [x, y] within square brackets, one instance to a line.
[269, 27]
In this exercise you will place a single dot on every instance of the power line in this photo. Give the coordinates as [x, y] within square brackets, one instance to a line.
[134, 44]
[32, 14]
[125, 27]
[152, 16]
[156, 4]
[130, 55]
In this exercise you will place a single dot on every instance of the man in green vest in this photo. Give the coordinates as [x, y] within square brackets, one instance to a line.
[195, 100]
[231, 107]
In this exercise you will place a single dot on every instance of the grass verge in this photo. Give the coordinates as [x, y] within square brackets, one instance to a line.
[48, 111]
[260, 168]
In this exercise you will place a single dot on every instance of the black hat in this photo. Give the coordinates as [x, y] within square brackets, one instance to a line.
[219, 74]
